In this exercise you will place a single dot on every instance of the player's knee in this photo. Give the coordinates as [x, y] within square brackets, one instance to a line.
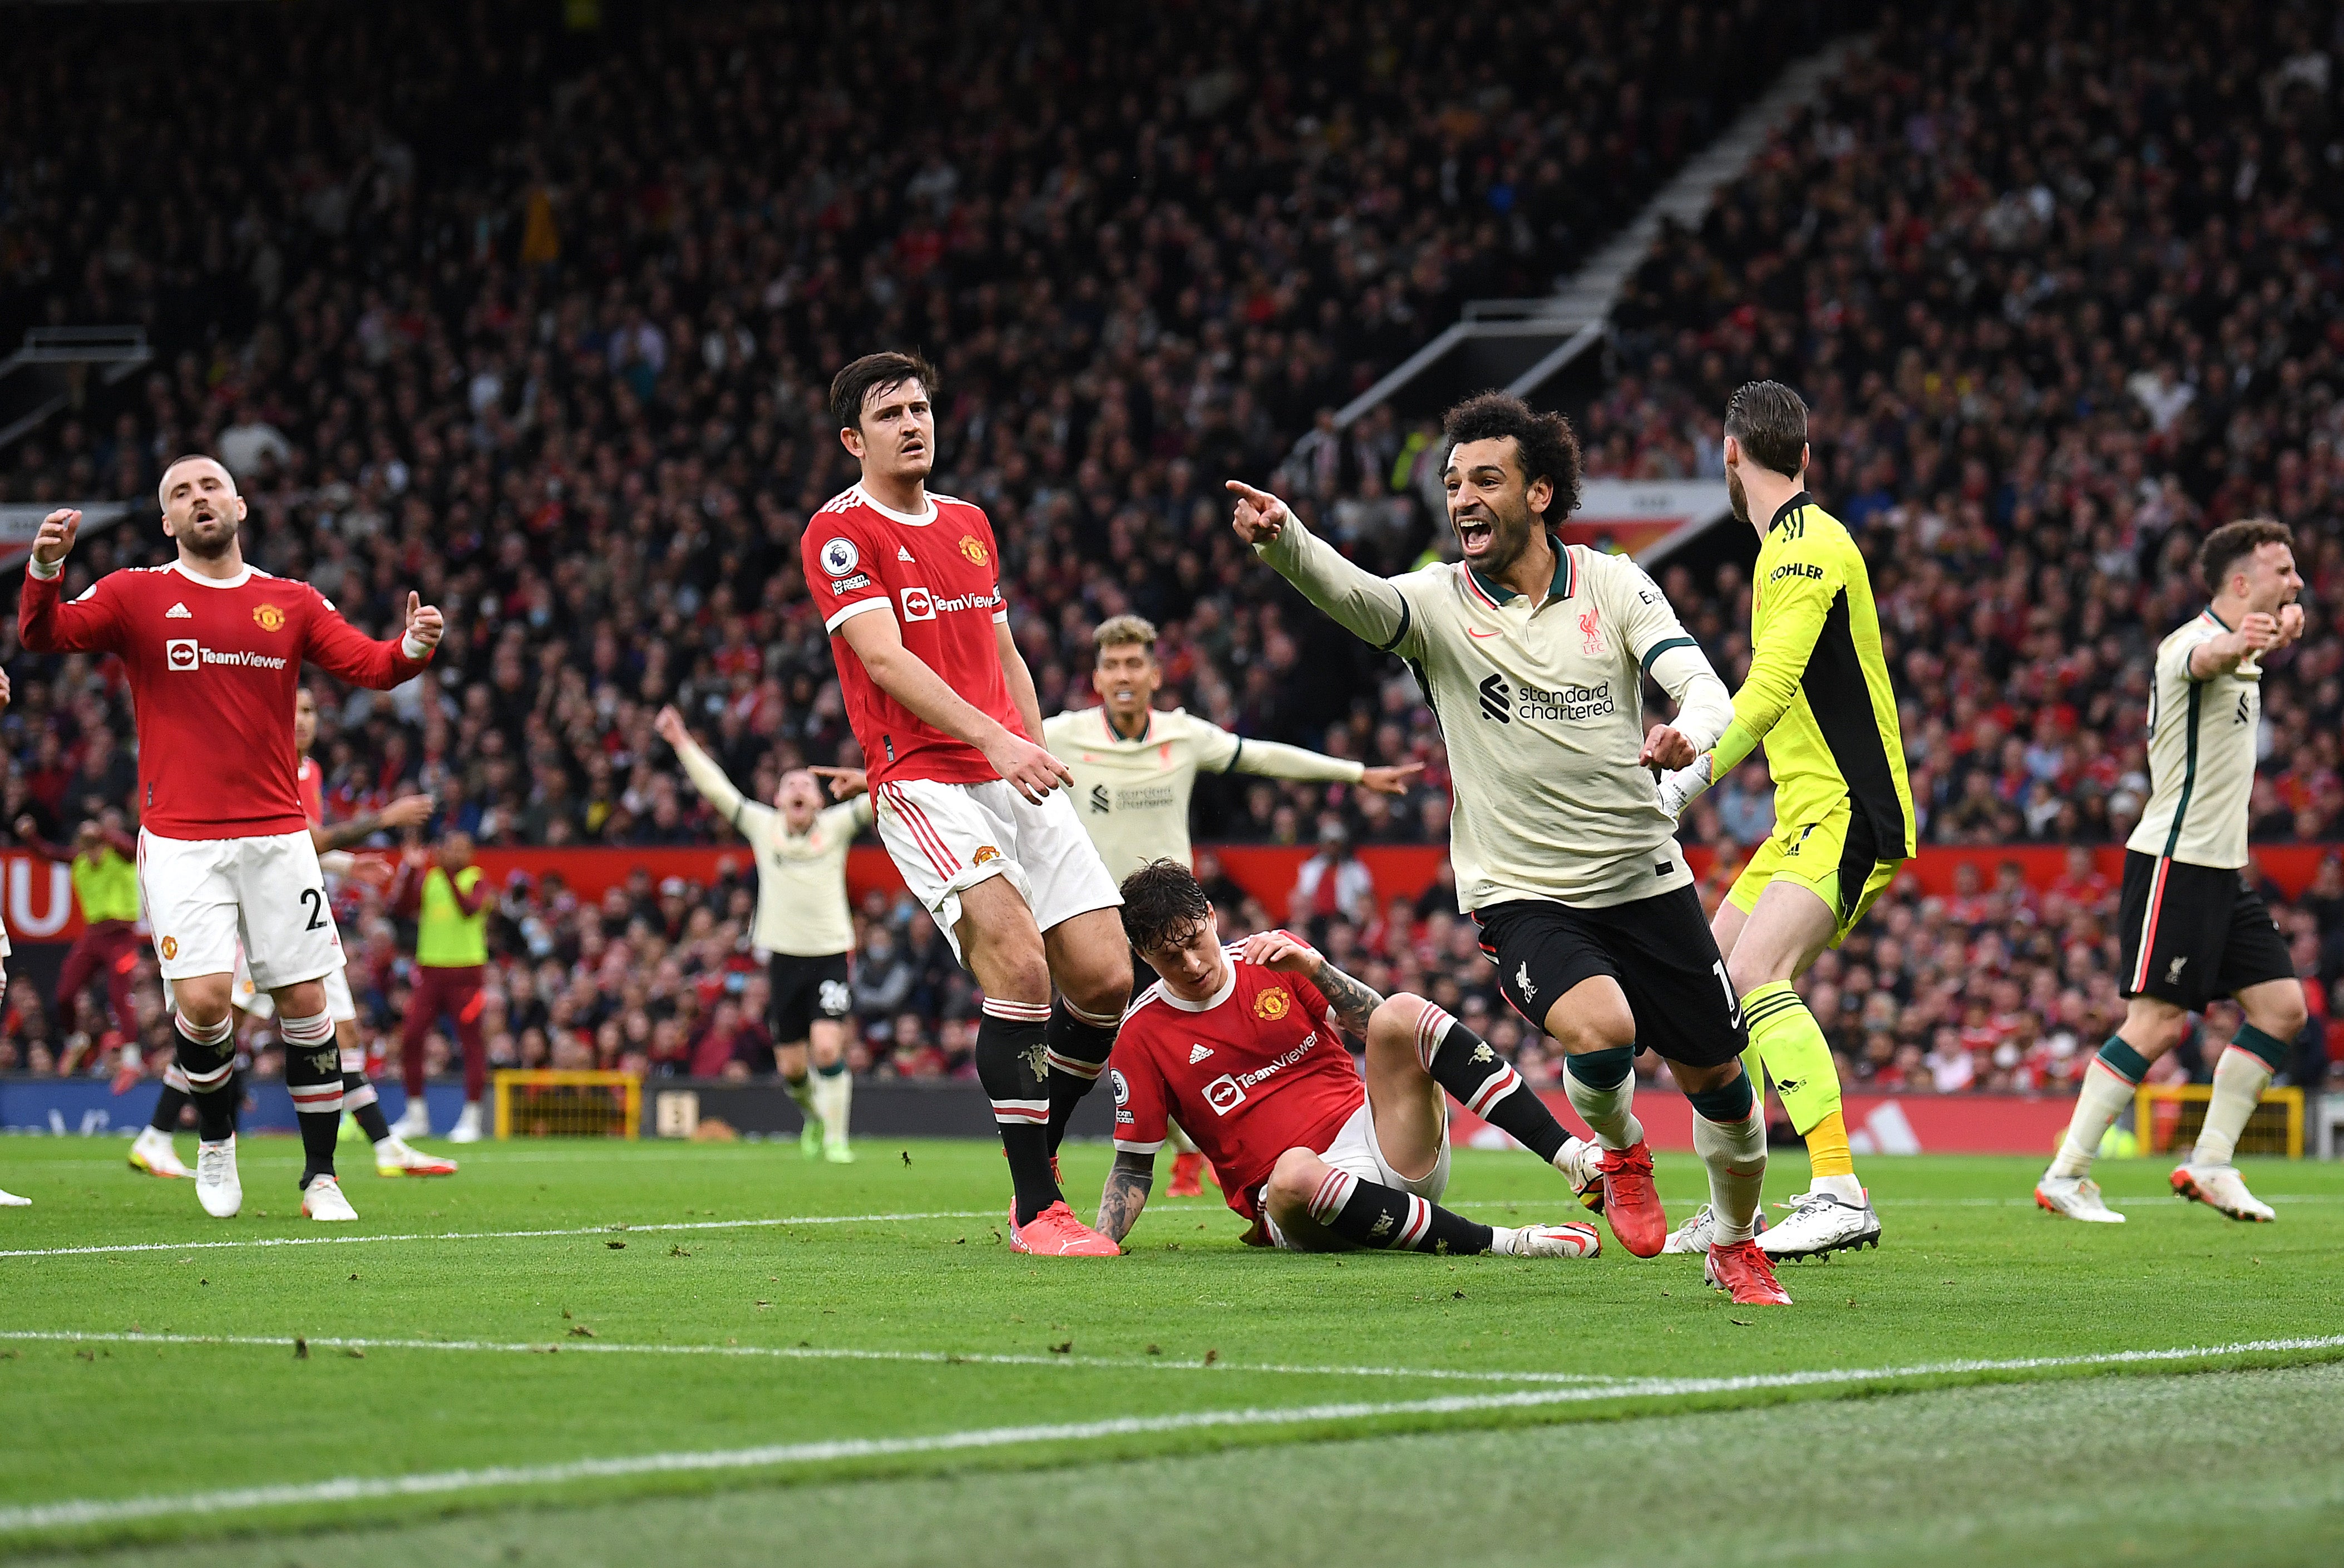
[1394, 1022]
[1294, 1178]
[2281, 1013]
[1601, 1024]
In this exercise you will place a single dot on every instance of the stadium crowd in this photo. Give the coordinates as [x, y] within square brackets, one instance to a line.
[2057, 285]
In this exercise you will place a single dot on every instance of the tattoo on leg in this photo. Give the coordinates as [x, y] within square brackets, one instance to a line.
[1127, 1185]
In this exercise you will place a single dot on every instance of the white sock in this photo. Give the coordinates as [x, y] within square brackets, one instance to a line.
[802, 1091]
[1566, 1157]
[2238, 1080]
[1846, 1188]
[833, 1093]
[1606, 1111]
[1735, 1154]
[2103, 1098]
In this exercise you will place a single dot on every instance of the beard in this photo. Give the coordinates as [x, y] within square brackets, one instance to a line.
[1737, 497]
[208, 539]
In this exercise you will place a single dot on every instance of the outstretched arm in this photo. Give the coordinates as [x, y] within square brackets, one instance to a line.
[1370, 608]
[340, 649]
[407, 811]
[1126, 1194]
[45, 623]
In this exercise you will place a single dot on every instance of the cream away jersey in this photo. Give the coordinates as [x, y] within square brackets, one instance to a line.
[1541, 704]
[1133, 794]
[2201, 755]
[802, 909]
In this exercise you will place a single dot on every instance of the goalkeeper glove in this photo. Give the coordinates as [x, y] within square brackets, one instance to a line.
[1678, 787]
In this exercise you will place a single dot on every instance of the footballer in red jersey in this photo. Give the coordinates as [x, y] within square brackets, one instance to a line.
[1240, 1044]
[971, 807]
[213, 651]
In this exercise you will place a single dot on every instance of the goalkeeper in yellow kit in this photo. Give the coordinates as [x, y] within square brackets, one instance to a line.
[1818, 698]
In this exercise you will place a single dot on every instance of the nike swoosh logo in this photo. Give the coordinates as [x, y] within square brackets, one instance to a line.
[1470, 631]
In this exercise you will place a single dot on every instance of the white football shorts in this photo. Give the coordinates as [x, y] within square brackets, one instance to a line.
[947, 837]
[205, 896]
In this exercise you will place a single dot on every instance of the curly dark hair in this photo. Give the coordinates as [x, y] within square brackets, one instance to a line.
[1162, 902]
[881, 372]
[1548, 446]
[2226, 544]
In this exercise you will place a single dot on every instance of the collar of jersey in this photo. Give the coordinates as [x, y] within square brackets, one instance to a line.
[1787, 508]
[1117, 737]
[238, 581]
[2217, 619]
[916, 520]
[1229, 987]
[1565, 584]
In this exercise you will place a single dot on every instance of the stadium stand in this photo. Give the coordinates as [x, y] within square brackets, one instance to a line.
[2057, 302]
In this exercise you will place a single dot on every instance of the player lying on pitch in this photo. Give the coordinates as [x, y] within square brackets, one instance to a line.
[1239, 1044]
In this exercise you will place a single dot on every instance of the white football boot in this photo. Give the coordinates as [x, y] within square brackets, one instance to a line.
[153, 1153]
[1572, 1239]
[1581, 1160]
[216, 1187]
[468, 1125]
[392, 1157]
[2076, 1196]
[324, 1200]
[10, 1200]
[1693, 1236]
[415, 1121]
[2219, 1187]
[1820, 1223]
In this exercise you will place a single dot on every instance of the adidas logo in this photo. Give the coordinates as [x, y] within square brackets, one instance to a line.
[1197, 1054]
[904, 555]
[178, 612]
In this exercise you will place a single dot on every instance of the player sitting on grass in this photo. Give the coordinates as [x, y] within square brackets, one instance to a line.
[1239, 1044]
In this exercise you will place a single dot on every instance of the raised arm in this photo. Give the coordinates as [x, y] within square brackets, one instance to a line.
[1128, 1182]
[340, 649]
[28, 834]
[2257, 634]
[906, 677]
[701, 768]
[46, 623]
[1371, 608]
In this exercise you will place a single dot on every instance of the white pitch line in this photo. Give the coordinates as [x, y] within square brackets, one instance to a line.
[348, 1489]
[814, 1354]
[613, 1230]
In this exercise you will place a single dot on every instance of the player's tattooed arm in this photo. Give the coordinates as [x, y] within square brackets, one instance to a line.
[408, 811]
[1349, 1000]
[1126, 1194]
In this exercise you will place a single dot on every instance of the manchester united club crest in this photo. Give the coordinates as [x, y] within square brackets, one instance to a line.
[985, 851]
[1271, 1004]
[270, 618]
[974, 548]
[170, 947]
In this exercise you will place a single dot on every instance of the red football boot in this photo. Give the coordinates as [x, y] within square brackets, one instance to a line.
[1057, 1233]
[1744, 1273]
[1630, 1202]
[1188, 1176]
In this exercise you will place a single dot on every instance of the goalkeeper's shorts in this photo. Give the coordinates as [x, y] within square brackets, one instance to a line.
[1836, 857]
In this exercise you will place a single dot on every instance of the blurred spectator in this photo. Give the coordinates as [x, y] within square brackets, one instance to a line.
[1333, 882]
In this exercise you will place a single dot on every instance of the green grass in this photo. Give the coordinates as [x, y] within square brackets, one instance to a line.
[1117, 1350]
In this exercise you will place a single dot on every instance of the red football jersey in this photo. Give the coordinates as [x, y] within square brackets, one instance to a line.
[940, 576]
[309, 780]
[1254, 1072]
[212, 665]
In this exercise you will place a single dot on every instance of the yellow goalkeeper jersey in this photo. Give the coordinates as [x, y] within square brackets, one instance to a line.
[1818, 693]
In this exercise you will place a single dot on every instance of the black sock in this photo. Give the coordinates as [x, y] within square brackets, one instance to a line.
[206, 1059]
[1078, 1055]
[170, 1102]
[1367, 1214]
[365, 1106]
[1011, 1041]
[1486, 1084]
[313, 1076]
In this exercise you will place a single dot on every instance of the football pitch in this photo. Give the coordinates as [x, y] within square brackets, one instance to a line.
[713, 1353]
